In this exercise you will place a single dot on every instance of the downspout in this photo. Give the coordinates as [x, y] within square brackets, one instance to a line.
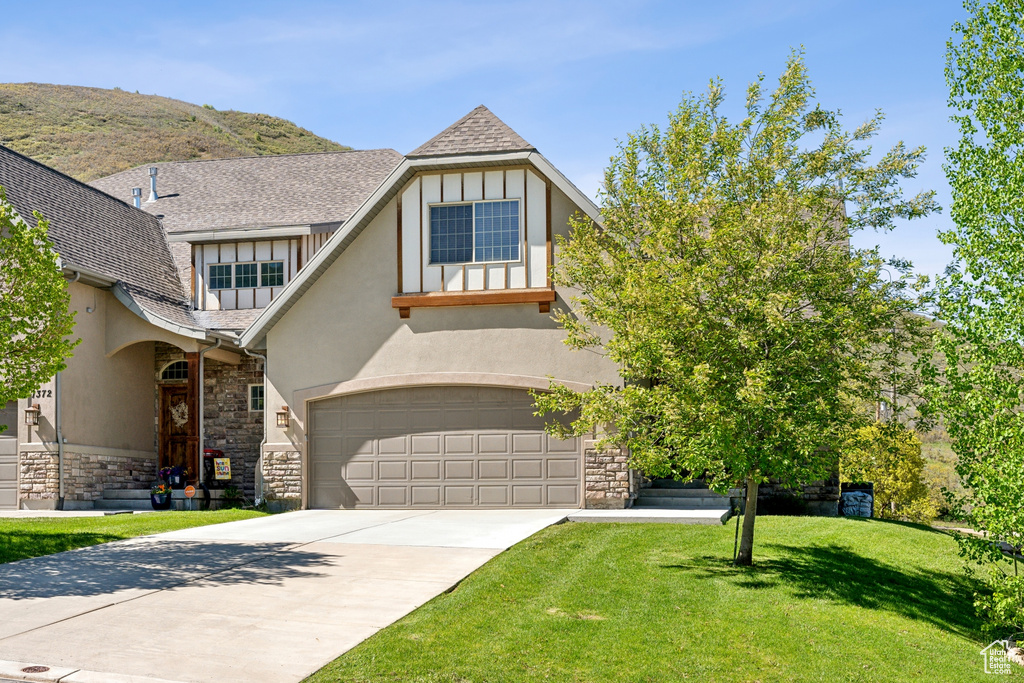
[258, 479]
[59, 426]
[202, 405]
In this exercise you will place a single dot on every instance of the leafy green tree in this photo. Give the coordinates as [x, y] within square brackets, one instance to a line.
[981, 299]
[888, 454]
[721, 282]
[35, 323]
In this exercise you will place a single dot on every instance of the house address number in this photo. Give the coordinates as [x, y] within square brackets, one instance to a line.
[42, 393]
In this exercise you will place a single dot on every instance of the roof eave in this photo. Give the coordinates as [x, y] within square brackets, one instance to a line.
[97, 279]
[241, 233]
[153, 319]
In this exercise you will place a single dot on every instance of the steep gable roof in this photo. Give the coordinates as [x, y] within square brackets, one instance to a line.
[95, 232]
[257, 192]
[478, 132]
[255, 334]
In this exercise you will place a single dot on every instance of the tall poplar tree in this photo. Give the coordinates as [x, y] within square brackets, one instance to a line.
[978, 386]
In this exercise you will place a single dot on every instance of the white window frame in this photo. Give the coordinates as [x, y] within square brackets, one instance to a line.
[259, 274]
[473, 203]
[263, 398]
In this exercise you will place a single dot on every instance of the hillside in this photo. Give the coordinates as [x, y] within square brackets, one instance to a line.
[90, 132]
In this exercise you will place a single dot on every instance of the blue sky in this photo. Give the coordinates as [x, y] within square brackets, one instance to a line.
[570, 77]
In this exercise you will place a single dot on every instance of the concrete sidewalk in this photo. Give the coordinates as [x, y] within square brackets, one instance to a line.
[268, 599]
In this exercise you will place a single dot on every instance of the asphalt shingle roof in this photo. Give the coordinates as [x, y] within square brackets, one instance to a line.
[257, 192]
[95, 231]
[478, 132]
[233, 319]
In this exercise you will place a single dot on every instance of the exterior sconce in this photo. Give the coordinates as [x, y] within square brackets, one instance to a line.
[32, 415]
[282, 417]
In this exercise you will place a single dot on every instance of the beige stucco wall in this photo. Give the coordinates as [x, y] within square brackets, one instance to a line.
[107, 388]
[344, 328]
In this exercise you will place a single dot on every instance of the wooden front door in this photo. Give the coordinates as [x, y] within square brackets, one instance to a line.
[179, 434]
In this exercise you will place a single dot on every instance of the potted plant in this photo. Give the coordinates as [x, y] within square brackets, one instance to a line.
[160, 496]
[174, 476]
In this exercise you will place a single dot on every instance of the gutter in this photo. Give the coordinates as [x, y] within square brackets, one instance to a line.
[202, 404]
[59, 425]
[258, 478]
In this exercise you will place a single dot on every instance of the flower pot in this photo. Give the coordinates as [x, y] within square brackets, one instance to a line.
[160, 501]
[176, 481]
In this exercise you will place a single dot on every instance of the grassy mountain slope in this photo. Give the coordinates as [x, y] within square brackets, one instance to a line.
[90, 132]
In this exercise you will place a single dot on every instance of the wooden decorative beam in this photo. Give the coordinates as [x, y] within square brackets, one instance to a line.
[543, 297]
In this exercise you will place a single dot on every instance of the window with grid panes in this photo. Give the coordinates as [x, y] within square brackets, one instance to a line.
[245, 275]
[220, 276]
[272, 274]
[475, 232]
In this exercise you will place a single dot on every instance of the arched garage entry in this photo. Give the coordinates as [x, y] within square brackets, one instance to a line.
[438, 447]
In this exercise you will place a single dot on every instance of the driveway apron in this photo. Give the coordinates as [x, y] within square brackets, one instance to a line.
[268, 599]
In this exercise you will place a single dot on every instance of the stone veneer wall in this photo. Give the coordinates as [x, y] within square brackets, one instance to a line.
[38, 480]
[820, 497]
[608, 481]
[282, 477]
[85, 475]
[228, 424]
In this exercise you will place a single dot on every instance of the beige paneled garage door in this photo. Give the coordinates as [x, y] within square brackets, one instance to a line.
[9, 457]
[433, 447]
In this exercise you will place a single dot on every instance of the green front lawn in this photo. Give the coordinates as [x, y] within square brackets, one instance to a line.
[21, 538]
[829, 600]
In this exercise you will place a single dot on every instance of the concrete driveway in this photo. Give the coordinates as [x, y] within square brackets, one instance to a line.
[269, 599]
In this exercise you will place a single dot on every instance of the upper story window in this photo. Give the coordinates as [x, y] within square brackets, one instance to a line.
[244, 275]
[220, 276]
[272, 274]
[475, 232]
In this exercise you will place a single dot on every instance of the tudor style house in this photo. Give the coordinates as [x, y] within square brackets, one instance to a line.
[352, 329]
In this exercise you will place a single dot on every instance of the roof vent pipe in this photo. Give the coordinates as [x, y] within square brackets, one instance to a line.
[137, 197]
[152, 184]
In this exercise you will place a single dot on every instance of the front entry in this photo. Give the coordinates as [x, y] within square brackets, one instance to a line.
[179, 435]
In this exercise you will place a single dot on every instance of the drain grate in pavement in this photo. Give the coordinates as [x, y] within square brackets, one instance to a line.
[35, 669]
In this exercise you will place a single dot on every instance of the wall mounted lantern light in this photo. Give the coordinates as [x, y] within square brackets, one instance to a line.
[32, 415]
[282, 417]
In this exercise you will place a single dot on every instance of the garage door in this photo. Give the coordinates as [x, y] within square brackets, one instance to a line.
[434, 447]
[9, 457]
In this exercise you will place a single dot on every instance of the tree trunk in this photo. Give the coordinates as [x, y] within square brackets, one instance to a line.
[745, 557]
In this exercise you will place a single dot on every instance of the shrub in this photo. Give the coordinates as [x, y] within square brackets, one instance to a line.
[889, 455]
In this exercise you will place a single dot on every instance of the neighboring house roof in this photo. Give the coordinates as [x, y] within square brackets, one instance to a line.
[257, 192]
[99, 235]
[478, 132]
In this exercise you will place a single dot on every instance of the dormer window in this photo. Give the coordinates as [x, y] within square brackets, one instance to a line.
[220, 276]
[474, 232]
[272, 274]
[246, 275]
